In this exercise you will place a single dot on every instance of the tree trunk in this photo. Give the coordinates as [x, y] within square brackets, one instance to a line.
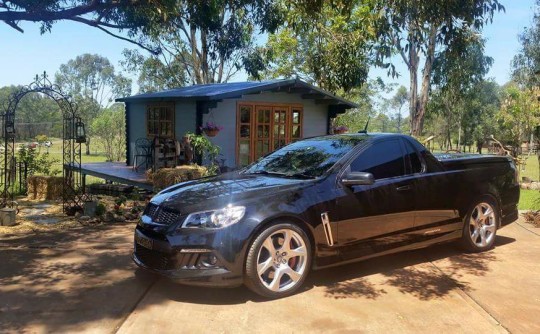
[413, 74]
[418, 109]
[87, 146]
[195, 56]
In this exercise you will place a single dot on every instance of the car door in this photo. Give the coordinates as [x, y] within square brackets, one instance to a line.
[436, 193]
[372, 218]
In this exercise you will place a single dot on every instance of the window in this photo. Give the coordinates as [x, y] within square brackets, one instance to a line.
[160, 120]
[413, 158]
[383, 160]
[263, 128]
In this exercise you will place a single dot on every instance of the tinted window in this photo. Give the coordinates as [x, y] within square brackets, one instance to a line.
[383, 160]
[413, 158]
[310, 157]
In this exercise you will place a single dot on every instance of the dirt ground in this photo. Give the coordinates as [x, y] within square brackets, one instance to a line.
[81, 279]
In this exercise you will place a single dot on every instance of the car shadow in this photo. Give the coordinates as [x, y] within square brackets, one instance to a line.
[410, 272]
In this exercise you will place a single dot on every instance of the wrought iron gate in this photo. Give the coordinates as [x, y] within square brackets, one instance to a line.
[73, 195]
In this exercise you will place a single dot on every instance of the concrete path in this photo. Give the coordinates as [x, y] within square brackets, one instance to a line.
[86, 283]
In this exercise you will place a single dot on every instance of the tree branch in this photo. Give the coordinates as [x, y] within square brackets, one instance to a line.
[152, 51]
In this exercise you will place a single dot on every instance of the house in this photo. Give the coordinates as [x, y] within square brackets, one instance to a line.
[257, 116]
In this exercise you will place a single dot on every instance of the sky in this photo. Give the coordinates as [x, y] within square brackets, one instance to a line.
[23, 55]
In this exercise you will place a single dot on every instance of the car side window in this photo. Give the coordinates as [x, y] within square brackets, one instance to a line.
[413, 158]
[383, 160]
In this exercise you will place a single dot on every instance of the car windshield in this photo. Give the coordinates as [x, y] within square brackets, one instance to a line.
[308, 158]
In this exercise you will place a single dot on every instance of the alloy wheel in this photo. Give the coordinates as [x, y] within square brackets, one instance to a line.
[281, 260]
[482, 225]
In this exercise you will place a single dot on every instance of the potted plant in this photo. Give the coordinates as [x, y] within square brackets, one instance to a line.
[340, 129]
[211, 129]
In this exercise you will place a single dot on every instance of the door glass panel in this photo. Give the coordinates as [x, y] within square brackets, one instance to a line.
[244, 131]
[296, 117]
[245, 115]
[295, 131]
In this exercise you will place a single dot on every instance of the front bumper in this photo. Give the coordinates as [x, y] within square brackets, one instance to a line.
[187, 264]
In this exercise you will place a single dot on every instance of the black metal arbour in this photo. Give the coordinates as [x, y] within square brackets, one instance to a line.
[73, 195]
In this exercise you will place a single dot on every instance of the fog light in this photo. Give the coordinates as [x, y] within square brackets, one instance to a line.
[212, 259]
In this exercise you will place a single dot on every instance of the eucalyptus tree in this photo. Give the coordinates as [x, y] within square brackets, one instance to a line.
[94, 84]
[328, 47]
[416, 29]
[209, 40]
[456, 70]
[122, 19]
[526, 64]
[398, 101]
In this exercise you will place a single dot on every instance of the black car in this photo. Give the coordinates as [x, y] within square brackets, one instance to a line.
[322, 202]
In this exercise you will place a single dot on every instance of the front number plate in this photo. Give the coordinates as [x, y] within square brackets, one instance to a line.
[143, 241]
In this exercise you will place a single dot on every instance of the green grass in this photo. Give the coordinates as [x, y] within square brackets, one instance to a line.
[530, 169]
[55, 152]
[529, 200]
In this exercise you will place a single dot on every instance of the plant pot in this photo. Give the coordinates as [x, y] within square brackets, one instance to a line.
[211, 133]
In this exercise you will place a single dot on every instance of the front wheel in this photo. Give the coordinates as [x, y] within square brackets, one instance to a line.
[278, 261]
[480, 227]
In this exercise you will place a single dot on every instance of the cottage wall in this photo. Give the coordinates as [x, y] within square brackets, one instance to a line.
[184, 122]
[314, 120]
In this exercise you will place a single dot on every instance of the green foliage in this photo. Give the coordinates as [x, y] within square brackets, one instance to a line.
[132, 17]
[100, 209]
[154, 74]
[110, 129]
[36, 113]
[41, 138]
[519, 113]
[206, 150]
[329, 48]
[526, 64]
[92, 77]
[208, 40]
[37, 163]
[120, 200]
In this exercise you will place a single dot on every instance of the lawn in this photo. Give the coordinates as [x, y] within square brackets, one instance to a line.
[529, 200]
[96, 150]
[530, 169]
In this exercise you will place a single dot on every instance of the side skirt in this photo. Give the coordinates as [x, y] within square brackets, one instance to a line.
[443, 238]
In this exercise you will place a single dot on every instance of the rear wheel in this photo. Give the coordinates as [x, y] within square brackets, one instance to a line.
[278, 261]
[480, 228]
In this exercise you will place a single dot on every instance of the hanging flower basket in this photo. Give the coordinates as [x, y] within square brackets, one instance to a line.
[211, 133]
[211, 129]
[340, 129]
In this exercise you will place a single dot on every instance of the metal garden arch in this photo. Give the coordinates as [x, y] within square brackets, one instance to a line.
[73, 136]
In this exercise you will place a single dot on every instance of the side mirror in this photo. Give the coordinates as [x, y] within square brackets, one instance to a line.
[357, 179]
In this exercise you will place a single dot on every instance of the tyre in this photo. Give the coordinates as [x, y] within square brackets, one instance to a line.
[278, 261]
[480, 227]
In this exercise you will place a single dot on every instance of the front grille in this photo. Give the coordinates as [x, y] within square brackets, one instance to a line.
[151, 209]
[163, 216]
[155, 260]
[166, 216]
[162, 261]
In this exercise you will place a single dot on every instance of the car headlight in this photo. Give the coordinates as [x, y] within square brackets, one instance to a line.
[215, 218]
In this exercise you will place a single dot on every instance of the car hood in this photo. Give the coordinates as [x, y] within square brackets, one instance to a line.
[217, 192]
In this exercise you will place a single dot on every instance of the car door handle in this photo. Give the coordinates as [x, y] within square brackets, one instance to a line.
[404, 188]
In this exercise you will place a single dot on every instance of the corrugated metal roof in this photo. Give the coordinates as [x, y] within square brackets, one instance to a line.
[220, 91]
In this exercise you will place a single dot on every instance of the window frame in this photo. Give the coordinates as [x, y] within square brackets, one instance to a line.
[170, 108]
[253, 123]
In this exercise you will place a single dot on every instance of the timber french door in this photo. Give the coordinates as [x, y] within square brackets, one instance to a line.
[263, 128]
